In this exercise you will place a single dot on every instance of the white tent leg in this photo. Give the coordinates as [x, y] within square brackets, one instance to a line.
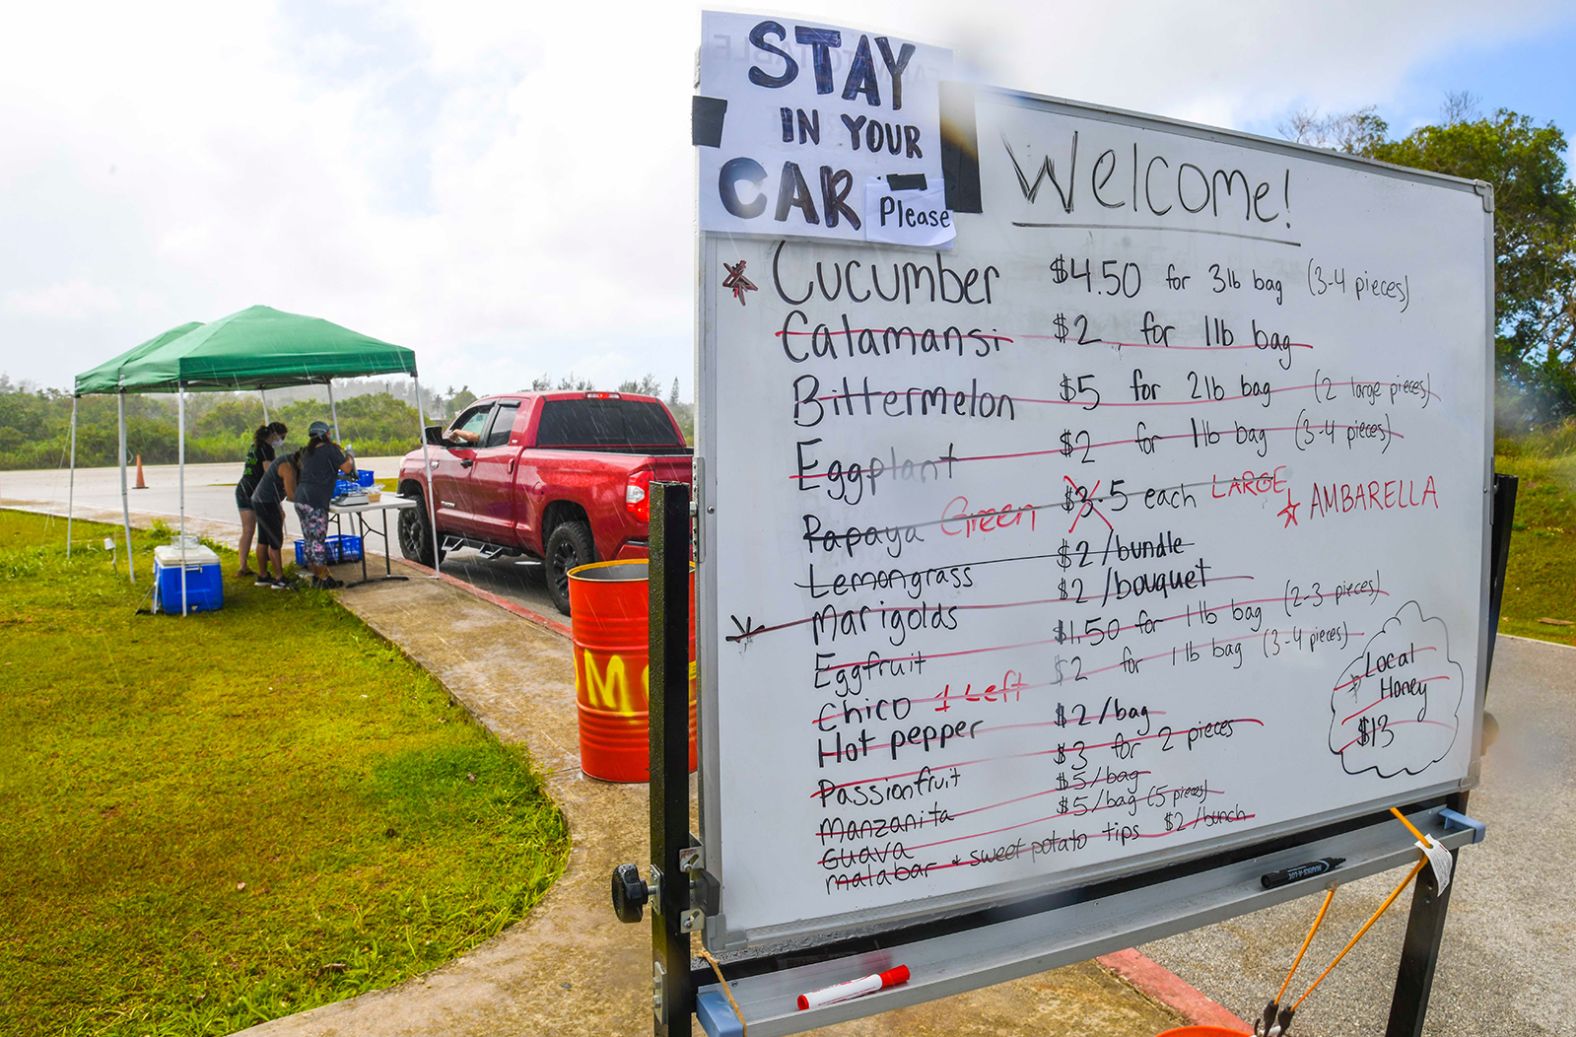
[71, 480]
[264, 394]
[333, 412]
[180, 396]
[125, 507]
[426, 467]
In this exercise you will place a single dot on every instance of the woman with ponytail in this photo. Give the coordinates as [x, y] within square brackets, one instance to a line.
[265, 441]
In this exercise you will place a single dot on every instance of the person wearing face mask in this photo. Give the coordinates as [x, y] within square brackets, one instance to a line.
[322, 461]
[265, 442]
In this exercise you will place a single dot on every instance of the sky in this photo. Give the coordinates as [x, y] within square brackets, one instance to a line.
[508, 189]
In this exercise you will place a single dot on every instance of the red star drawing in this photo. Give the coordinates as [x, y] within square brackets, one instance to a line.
[1289, 513]
[737, 281]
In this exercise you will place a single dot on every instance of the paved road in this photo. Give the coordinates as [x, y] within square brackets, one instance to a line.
[1508, 966]
[210, 511]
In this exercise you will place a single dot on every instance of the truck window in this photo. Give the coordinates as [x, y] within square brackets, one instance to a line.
[472, 421]
[569, 423]
[502, 423]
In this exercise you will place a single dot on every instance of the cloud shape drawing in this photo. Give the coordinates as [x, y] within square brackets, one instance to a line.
[1396, 707]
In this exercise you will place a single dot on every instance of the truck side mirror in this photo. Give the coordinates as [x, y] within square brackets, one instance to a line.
[435, 435]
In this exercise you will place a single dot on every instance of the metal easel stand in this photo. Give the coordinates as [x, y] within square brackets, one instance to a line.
[676, 879]
[1425, 925]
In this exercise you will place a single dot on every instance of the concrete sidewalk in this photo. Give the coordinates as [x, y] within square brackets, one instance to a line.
[570, 968]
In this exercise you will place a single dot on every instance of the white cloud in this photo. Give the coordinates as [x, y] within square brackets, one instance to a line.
[506, 187]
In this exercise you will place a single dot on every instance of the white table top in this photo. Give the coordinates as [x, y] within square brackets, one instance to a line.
[388, 500]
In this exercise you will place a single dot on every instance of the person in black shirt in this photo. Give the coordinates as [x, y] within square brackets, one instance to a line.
[265, 441]
[277, 485]
[321, 462]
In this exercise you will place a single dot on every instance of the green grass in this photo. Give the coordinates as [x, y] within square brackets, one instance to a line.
[1540, 579]
[213, 821]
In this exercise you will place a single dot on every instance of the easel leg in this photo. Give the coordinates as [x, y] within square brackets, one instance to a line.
[668, 693]
[1425, 926]
[1425, 929]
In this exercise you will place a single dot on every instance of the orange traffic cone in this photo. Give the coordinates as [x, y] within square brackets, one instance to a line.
[142, 483]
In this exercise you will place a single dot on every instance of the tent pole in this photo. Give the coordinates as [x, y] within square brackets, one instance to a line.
[71, 480]
[180, 397]
[264, 394]
[333, 412]
[125, 507]
[426, 467]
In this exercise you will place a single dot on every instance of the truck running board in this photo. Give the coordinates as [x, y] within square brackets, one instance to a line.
[488, 551]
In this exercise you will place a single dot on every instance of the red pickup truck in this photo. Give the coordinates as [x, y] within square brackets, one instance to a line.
[560, 476]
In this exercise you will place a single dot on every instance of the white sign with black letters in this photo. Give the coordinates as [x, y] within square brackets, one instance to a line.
[913, 216]
[813, 111]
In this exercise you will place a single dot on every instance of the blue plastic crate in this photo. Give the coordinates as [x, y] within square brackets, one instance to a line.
[338, 548]
[344, 486]
[343, 548]
[204, 588]
[364, 476]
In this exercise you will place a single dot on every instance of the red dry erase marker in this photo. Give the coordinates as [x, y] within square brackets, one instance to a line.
[854, 988]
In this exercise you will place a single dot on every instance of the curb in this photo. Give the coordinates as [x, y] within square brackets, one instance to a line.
[530, 615]
[1161, 984]
[1534, 640]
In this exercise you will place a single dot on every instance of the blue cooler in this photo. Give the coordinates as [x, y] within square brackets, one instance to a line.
[204, 582]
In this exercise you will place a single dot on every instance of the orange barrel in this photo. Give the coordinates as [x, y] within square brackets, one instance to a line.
[610, 631]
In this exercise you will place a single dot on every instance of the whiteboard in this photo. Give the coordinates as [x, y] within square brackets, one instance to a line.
[1147, 521]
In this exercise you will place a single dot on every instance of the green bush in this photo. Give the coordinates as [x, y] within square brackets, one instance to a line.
[1555, 440]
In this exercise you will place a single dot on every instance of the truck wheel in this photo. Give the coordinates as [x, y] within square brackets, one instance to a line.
[415, 536]
[569, 546]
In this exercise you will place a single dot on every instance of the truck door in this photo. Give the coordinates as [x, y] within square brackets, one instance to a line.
[451, 466]
[490, 487]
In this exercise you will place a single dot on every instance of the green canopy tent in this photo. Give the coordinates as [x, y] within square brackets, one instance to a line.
[257, 348]
[105, 378]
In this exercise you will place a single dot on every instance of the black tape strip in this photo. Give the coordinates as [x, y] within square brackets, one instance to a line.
[706, 114]
[906, 181]
[960, 147]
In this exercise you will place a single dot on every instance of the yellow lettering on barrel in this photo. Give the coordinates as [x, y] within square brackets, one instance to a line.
[609, 689]
[645, 684]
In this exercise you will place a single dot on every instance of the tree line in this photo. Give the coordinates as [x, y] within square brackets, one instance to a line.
[1534, 236]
